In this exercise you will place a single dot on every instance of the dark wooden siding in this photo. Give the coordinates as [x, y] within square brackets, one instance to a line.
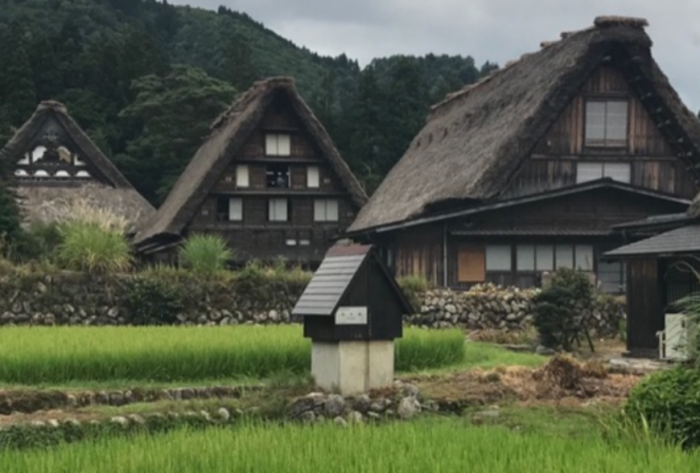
[653, 162]
[644, 307]
[418, 252]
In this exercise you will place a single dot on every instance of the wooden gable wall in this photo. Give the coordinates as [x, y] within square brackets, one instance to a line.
[553, 163]
[255, 235]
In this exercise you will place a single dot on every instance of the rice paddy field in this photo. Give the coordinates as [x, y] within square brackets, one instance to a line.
[421, 446]
[64, 355]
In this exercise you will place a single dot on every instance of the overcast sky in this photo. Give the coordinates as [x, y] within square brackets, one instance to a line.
[495, 30]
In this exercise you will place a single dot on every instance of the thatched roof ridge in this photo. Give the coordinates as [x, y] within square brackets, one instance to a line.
[19, 142]
[229, 133]
[474, 142]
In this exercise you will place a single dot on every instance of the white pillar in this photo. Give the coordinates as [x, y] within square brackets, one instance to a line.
[352, 367]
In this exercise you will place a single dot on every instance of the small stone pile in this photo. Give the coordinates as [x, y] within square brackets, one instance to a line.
[403, 402]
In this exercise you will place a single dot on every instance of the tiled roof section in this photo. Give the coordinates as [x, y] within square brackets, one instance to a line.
[535, 231]
[679, 241]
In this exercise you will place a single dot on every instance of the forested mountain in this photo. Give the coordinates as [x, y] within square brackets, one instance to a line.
[145, 79]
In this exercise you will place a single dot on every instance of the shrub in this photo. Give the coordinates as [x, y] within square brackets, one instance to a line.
[251, 279]
[669, 402]
[39, 242]
[87, 246]
[152, 301]
[82, 210]
[560, 309]
[205, 254]
[554, 317]
[412, 287]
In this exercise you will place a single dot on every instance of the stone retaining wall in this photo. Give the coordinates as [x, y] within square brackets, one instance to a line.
[491, 307]
[76, 299]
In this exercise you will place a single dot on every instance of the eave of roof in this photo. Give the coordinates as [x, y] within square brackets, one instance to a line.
[605, 183]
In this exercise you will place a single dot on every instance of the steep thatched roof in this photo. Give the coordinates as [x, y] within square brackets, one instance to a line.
[49, 204]
[51, 201]
[229, 133]
[475, 141]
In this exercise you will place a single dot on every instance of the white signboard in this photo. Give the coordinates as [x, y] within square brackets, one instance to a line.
[351, 316]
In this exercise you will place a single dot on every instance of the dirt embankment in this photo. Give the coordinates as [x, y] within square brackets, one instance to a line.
[561, 380]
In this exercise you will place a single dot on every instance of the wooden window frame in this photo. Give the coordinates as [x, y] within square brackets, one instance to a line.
[606, 99]
[310, 171]
[602, 169]
[269, 213]
[575, 247]
[325, 218]
[275, 150]
[243, 176]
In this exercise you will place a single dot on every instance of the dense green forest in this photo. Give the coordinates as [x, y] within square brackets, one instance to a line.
[145, 79]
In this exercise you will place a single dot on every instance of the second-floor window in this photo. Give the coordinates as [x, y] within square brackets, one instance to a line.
[229, 209]
[278, 145]
[242, 176]
[313, 178]
[325, 210]
[606, 123]
[277, 210]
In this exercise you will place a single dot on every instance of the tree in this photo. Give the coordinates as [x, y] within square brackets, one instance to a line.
[237, 64]
[17, 94]
[173, 112]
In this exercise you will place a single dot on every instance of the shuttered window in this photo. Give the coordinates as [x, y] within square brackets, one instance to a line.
[242, 176]
[325, 210]
[312, 177]
[278, 145]
[277, 210]
[606, 123]
[235, 209]
[590, 171]
[498, 258]
[471, 264]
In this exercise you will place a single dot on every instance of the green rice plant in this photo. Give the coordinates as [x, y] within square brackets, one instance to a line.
[429, 348]
[205, 254]
[412, 447]
[90, 247]
[68, 355]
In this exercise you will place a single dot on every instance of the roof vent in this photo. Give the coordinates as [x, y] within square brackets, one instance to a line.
[607, 21]
[546, 44]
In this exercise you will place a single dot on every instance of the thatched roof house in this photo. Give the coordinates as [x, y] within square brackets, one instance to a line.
[239, 138]
[474, 142]
[57, 166]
